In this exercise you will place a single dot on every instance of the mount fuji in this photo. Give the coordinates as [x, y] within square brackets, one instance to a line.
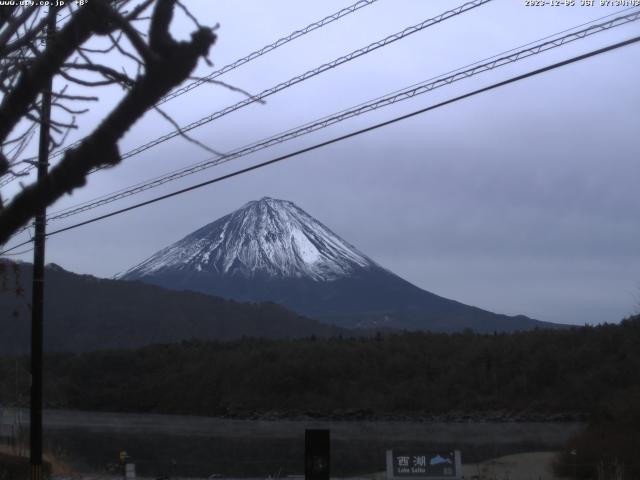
[271, 250]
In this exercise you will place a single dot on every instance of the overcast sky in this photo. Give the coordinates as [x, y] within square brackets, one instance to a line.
[522, 200]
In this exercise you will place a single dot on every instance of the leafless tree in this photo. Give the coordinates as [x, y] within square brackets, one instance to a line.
[157, 63]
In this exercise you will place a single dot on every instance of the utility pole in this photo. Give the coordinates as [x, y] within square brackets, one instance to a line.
[37, 301]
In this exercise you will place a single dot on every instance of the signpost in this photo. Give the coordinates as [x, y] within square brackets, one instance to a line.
[317, 460]
[420, 465]
[130, 471]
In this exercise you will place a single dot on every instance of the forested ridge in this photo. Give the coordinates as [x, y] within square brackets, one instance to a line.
[124, 315]
[410, 373]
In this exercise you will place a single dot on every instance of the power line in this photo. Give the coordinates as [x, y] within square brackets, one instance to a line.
[300, 78]
[11, 249]
[293, 81]
[418, 89]
[309, 74]
[232, 66]
[326, 121]
[267, 48]
[211, 161]
[347, 136]
[19, 253]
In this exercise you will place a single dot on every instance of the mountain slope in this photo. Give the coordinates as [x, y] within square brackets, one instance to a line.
[272, 250]
[84, 313]
[269, 238]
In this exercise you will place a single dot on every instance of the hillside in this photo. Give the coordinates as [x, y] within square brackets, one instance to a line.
[84, 313]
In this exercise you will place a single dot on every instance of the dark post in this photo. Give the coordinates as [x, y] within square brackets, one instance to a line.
[37, 299]
[317, 458]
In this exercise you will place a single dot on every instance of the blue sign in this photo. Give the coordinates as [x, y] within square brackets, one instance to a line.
[423, 465]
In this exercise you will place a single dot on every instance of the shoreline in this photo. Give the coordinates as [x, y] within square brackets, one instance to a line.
[347, 416]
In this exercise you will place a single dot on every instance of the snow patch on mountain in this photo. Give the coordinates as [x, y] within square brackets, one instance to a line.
[267, 237]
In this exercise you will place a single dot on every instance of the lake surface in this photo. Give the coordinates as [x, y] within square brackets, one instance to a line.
[175, 445]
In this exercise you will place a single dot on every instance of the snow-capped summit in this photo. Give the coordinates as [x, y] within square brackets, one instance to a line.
[264, 238]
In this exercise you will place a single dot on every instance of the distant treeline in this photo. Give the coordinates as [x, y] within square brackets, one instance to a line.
[410, 373]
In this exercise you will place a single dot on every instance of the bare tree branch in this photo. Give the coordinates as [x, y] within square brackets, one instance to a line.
[106, 72]
[134, 37]
[135, 13]
[87, 21]
[185, 135]
[14, 25]
[233, 88]
[167, 65]
[29, 36]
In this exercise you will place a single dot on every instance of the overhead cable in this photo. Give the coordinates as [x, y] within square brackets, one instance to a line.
[227, 68]
[295, 80]
[316, 146]
[392, 98]
[267, 48]
[309, 74]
